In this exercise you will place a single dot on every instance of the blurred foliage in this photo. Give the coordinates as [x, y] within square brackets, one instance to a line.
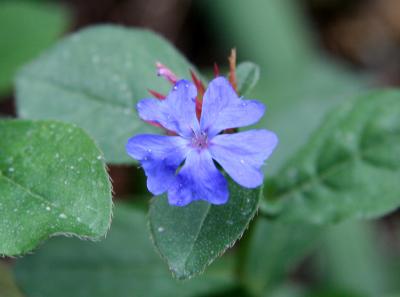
[297, 83]
[26, 29]
[351, 259]
[124, 264]
[329, 180]
[273, 252]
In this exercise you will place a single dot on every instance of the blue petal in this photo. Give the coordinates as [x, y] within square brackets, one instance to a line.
[177, 112]
[242, 154]
[199, 179]
[160, 157]
[223, 109]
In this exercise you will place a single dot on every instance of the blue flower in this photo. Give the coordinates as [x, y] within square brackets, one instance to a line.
[184, 165]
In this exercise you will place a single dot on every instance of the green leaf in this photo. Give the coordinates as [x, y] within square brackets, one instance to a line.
[25, 30]
[349, 169]
[190, 238]
[273, 251]
[7, 284]
[52, 181]
[94, 79]
[124, 264]
[247, 75]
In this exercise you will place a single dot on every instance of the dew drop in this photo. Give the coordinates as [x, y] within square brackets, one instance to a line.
[242, 161]
[48, 208]
[11, 169]
[175, 88]
[62, 216]
[160, 229]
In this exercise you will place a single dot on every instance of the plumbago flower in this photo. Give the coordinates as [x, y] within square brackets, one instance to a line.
[184, 163]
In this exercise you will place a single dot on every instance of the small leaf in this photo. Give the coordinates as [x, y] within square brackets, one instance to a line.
[52, 181]
[124, 264]
[247, 75]
[94, 78]
[349, 169]
[190, 238]
[25, 30]
[7, 284]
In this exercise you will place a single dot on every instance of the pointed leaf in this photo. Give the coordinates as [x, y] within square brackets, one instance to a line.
[190, 238]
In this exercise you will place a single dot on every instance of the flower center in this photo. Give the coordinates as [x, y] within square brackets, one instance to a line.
[200, 141]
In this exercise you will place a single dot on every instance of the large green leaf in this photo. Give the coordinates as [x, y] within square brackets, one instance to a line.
[349, 169]
[52, 181]
[7, 284]
[25, 30]
[124, 264]
[192, 237]
[94, 79]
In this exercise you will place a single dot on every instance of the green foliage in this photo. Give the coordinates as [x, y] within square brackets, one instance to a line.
[247, 75]
[351, 259]
[94, 79]
[274, 250]
[124, 264]
[25, 30]
[192, 237]
[52, 181]
[298, 86]
[349, 169]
